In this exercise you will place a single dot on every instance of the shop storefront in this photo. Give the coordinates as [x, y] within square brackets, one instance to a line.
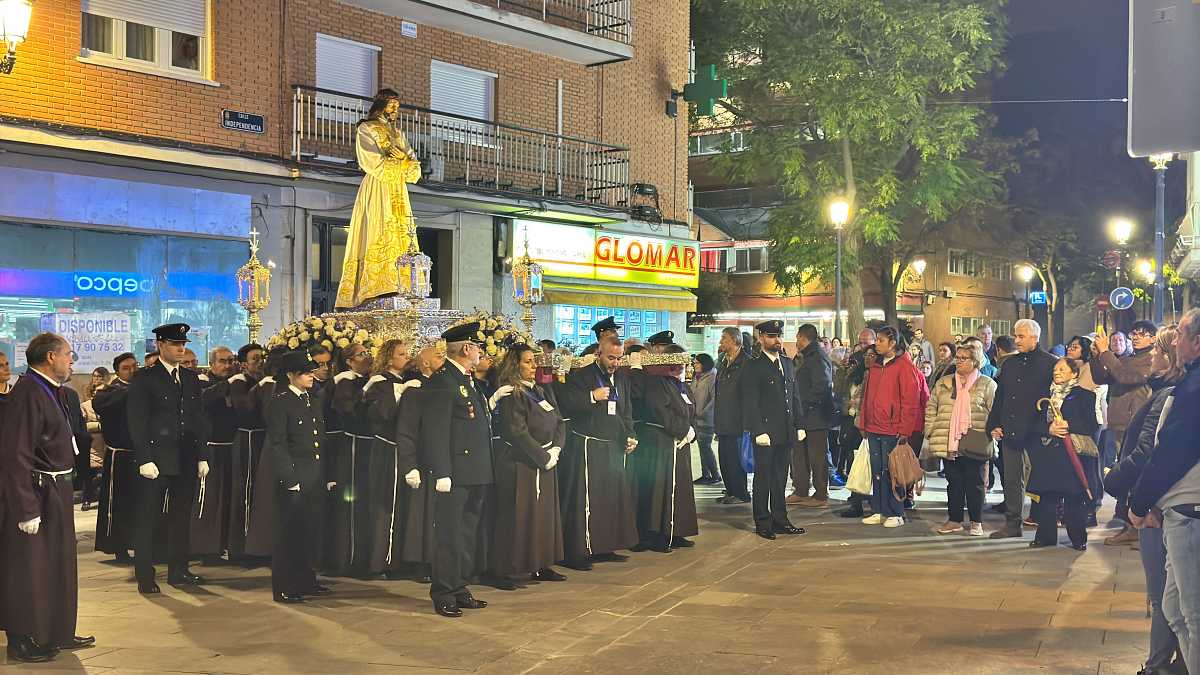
[105, 291]
[639, 279]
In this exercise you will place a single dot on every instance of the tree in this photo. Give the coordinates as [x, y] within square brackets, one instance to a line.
[856, 98]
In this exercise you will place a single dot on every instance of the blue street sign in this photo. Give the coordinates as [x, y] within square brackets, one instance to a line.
[1038, 298]
[1121, 298]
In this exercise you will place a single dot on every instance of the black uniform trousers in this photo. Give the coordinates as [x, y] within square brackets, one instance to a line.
[174, 495]
[297, 528]
[456, 518]
[771, 464]
[729, 456]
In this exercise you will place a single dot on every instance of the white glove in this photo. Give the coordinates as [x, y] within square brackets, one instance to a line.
[330, 485]
[691, 435]
[635, 360]
[762, 439]
[631, 443]
[148, 470]
[801, 434]
[240, 377]
[202, 469]
[554, 453]
[412, 384]
[294, 488]
[30, 527]
[413, 478]
[442, 484]
[500, 393]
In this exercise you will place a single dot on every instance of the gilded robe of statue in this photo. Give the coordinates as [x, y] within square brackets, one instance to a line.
[379, 223]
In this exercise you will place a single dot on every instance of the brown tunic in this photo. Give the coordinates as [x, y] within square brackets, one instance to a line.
[39, 579]
[528, 522]
[666, 500]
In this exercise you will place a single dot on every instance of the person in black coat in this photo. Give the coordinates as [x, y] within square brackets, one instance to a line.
[116, 517]
[814, 410]
[295, 433]
[210, 511]
[460, 464]
[727, 416]
[1052, 475]
[349, 540]
[170, 443]
[769, 418]
[246, 453]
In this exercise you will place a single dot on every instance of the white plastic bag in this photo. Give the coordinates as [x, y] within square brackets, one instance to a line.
[860, 479]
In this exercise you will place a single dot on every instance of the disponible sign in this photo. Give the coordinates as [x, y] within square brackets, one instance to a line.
[96, 337]
[584, 253]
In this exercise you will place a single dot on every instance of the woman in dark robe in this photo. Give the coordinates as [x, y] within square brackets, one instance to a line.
[528, 529]
[1053, 476]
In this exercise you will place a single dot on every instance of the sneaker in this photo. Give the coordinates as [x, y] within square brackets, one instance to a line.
[949, 527]
[837, 481]
[896, 521]
[873, 519]
[976, 530]
[1126, 536]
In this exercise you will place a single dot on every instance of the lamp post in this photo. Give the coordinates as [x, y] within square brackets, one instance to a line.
[254, 288]
[14, 28]
[1025, 273]
[1160, 199]
[1120, 229]
[839, 214]
[527, 285]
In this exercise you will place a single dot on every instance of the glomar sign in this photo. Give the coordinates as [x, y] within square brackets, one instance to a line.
[583, 253]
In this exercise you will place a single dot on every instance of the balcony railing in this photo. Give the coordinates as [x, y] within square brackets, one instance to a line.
[466, 152]
[612, 19]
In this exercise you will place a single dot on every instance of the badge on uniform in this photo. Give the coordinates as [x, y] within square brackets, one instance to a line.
[612, 407]
[546, 405]
[462, 389]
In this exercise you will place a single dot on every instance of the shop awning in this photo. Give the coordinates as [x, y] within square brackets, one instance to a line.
[668, 299]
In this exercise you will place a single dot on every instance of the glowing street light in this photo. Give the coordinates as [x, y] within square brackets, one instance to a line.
[918, 266]
[839, 213]
[1121, 229]
[1025, 273]
[14, 28]
[1146, 269]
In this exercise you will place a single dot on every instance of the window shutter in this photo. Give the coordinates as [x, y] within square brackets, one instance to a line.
[181, 16]
[346, 66]
[462, 91]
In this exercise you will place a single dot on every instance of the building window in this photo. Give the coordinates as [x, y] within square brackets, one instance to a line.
[965, 325]
[351, 68]
[1001, 327]
[1000, 270]
[714, 260]
[465, 92]
[964, 264]
[573, 323]
[751, 260]
[711, 144]
[161, 38]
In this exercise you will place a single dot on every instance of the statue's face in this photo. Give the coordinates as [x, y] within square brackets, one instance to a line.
[392, 108]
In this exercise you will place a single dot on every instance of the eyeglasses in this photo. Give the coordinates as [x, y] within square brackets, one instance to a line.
[229, 360]
[964, 358]
[1140, 334]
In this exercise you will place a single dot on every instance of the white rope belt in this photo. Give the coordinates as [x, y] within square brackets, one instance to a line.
[111, 477]
[587, 490]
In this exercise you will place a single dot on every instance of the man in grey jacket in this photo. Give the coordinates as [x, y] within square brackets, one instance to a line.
[813, 394]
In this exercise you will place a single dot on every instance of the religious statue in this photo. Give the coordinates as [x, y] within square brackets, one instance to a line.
[381, 225]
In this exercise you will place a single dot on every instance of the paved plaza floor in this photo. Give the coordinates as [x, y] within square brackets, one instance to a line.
[845, 598]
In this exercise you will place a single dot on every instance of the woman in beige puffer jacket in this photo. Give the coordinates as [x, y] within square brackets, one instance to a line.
[964, 475]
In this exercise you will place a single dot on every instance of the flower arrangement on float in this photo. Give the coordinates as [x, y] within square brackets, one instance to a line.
[334, 334]
[497, 332]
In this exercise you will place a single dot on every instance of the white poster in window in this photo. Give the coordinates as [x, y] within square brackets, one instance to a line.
[96, 337]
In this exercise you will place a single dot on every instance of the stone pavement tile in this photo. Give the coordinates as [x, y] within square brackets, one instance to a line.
[635, 661]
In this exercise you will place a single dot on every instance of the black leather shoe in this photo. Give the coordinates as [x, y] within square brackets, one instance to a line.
[788, 528]
[288, 598]
[471, 603]
[581, 565]
[547, 574]
[852, 513]
[765, 533]
[148, 588]
[124, 558]
[79, 643]
[320, 590]
[26, 650]
[661, 546]
[641, 546]
[610, 557]
[1039, 544]
[447, 609]
[184, 577]
[1079, 547]
[498, 583]
[680, 542]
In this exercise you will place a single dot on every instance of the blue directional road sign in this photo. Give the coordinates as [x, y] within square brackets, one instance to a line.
[1121, 298]
[1038, 298]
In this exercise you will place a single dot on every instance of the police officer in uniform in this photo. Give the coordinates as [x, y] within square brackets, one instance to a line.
[460, 464]
[170, 435]
[606, 326]
[771, 422]
[295, 431]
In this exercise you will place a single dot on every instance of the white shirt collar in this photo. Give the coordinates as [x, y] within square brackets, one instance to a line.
[774, 357]
[296, 390]
[170, 368]
[45, 377]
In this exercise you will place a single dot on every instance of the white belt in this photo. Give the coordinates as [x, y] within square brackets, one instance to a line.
[587, 496]
[118, 449]
[53, 473]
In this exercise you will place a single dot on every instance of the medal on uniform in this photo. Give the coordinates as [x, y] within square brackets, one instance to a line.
[462, 389]
[470, 410]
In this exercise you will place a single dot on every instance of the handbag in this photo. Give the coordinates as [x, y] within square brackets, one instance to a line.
[859, 481]
[906, 471]
[976, 445]
[747, 448]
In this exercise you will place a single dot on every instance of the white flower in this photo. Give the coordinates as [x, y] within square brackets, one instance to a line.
[293, 343]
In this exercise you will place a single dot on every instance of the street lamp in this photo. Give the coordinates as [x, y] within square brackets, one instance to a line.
[918, 266]
[1121, 230]
[839, 214]
[1160, 162]
[14, 28]
[1025, 273]
[1146, 269]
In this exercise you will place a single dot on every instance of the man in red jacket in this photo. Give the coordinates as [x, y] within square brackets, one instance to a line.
[892, 413]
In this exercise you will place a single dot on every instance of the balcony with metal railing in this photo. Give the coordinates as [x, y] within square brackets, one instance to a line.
[590, 32]
[466, 153]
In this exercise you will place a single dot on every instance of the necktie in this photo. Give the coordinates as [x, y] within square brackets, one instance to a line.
[306, 400]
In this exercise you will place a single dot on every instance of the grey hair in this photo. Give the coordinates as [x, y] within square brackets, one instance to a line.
[975, 348]
[1190, 323]
[456, 349]
[1029, 324]
[212, 354]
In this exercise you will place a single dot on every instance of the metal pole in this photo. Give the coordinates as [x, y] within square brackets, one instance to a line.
[837, 289]
[1160, 280]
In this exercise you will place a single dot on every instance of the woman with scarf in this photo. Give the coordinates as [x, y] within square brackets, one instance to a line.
[1166, 372]
[1067, 436]
[1079, 350]
[955, 425]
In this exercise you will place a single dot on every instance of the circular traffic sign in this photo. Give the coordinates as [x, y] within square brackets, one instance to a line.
[1121, 298]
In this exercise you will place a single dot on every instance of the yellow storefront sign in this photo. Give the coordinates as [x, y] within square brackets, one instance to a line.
[584, 253]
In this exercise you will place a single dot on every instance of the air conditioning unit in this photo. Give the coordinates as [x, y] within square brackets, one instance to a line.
[949, 292]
